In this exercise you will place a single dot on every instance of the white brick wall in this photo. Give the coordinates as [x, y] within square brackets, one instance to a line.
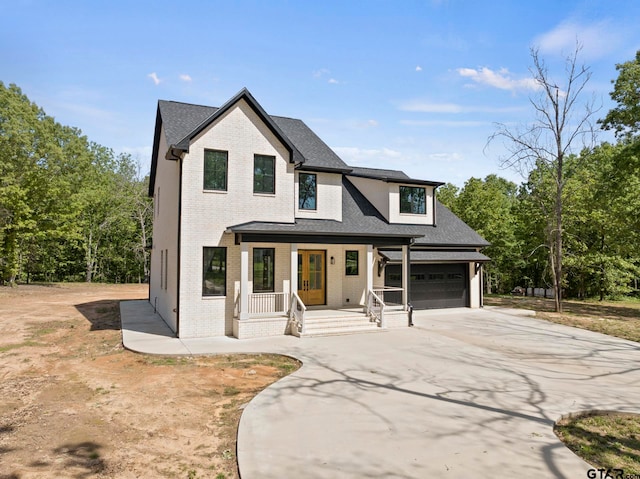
[328, 200]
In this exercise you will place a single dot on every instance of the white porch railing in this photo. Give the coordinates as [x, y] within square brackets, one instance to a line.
[390, 296]
[375, 308]
[296, 313]
[268, 303]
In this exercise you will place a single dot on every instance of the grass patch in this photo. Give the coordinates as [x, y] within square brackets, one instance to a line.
[9, 347]
[614, 318]
[606, 440]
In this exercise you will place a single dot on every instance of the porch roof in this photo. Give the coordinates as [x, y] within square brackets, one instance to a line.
[435, 256]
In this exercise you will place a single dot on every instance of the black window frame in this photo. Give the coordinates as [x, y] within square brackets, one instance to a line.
[260, 254]
[348, 269]
[411, 203]
[315, 192]
[265, 179]
[215, 187]
[223, 265]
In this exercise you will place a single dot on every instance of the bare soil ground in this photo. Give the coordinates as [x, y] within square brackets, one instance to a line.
[75, 404]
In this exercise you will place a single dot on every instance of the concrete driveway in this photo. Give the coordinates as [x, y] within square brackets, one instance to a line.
[464, 393]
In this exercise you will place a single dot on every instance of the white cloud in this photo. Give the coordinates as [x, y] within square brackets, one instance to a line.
[333, 81]
[155, 78]
[185, 77]
[597, 39]
[501, 79]
[418, 68]
[321, 72]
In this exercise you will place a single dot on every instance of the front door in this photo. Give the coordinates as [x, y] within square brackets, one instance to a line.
[311, 276]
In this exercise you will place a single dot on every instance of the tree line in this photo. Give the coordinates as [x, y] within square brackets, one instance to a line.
[70, 209]
[574, 223]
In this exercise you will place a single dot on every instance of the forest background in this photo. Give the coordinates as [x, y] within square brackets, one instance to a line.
[72, 210]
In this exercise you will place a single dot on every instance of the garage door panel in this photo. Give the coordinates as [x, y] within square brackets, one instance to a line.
[434, 285]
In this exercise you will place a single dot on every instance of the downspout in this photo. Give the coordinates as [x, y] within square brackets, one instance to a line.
[410, 306]
[179, 255]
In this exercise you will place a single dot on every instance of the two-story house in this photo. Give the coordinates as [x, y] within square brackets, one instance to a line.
[261, 229]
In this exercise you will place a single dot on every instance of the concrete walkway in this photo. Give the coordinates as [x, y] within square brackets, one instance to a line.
[464, 393]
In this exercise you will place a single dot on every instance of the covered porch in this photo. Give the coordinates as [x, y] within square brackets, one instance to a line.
[321, 285]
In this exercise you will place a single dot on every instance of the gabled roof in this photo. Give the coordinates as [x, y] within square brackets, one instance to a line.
[361, 219]
[183, 121]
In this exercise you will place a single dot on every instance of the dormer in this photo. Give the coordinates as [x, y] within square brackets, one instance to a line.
[400, 199]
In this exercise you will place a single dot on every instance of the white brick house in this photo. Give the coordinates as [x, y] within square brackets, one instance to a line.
[261, 229]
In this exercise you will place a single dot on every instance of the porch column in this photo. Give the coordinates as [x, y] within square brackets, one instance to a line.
[369, 268]
[294, 269]
[244, 280]
[405, 276]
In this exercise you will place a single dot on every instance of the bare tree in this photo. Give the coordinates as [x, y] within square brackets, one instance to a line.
[562, 126]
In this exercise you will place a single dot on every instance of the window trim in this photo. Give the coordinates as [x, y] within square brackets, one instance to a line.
[315, 176]
[273, 269]
[400, 200]
[261, 156]
[226, 170]
[224, 289]
[346, 266]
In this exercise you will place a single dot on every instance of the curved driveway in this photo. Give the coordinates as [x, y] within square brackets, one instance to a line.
[463, 394]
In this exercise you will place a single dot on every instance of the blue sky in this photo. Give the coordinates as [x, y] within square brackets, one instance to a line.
[411, 85]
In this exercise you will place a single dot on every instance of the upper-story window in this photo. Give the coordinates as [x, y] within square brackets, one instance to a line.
[307, 190]
[215, 170]
[413, 199]
[264, 174]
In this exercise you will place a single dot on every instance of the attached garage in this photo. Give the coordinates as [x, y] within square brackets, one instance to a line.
[434, 284]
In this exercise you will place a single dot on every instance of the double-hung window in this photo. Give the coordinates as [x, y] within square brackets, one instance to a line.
[264, 174]
[413, 199]
[215, 170]
[214, 271]
[307, 189]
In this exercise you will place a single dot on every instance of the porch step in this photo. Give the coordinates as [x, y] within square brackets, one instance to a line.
[335, 326]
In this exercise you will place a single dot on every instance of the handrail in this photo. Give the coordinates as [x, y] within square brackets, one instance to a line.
[268, 303]
[296, 312]
[375, 308]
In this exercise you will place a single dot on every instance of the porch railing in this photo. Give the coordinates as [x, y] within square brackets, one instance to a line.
[268, 303]
[375, 308]
[390, 296]
[296, 313]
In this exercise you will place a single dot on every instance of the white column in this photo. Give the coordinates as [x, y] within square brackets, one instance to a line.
[405, 275]
[369, 268]
[294, 268]
[244, 280]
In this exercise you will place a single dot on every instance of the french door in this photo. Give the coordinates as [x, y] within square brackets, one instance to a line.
[312, 276]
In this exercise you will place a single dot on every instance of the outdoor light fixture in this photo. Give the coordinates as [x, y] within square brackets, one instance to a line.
[333, 260]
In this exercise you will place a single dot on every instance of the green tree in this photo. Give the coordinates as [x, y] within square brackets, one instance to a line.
[624, 119]
[560, 126]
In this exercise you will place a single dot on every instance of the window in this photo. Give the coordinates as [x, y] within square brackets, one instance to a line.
[264, 174]
[166, 267]
[413, 200]
[307, 191]
[161, 269]
[263, 267]
[351, 263]
[214, 272]
[215, 170]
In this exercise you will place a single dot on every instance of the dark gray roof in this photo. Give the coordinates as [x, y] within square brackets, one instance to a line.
[450, 231]
[378, 173]
[181, 121]
[317, 155]
[390, 176]
[437, 256]
[361, 218]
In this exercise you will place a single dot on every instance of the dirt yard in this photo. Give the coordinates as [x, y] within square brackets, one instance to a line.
[75, 404]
